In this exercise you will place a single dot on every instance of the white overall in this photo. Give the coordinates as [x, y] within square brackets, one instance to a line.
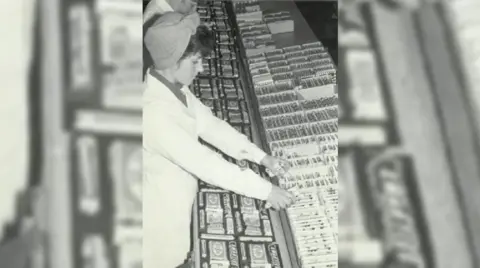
[172, 156]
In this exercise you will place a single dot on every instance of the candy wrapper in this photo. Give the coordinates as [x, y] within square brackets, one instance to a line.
[80, 35]
[126, 172]
[218, 253]
[120, 39]
[215, 215]
[365, 93]
[227, 216]
[256, 255]
[88, 175]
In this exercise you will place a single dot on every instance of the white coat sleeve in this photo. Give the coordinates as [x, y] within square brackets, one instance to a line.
[226, 138]
[166, 137]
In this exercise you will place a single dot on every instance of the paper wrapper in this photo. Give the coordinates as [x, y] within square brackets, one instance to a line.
[120, 42]
[80, 49]
[218, 252]
[88, 175]
[227, 216]
[126, 172]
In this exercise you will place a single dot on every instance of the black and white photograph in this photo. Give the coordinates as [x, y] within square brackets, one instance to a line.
[234, 177]
[239, 134]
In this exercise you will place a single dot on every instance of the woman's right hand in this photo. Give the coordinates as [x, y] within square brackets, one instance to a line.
[280, 198]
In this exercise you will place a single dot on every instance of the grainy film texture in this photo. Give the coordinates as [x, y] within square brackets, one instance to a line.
[408, 133]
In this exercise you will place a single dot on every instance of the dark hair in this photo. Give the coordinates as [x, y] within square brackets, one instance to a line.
[203, 42]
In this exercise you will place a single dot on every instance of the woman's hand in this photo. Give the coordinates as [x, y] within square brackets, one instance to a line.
[275, 165]
[280, 198]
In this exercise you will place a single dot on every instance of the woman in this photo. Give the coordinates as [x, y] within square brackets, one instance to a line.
[173, 120]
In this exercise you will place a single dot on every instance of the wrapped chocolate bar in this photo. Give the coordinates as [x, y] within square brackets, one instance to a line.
[276, 57]
[88, 175]
[280, 63]
[255, 255]
[247, 205]
[81, 74]
[218, 253]
[312, 45]
[126, 172]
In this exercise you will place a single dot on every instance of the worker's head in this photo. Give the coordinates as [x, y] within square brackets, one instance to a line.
[177, 45]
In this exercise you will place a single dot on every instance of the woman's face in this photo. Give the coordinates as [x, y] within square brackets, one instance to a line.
[188, 69]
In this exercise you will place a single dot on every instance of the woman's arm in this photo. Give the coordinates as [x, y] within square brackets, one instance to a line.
[168, 138]
[223, 136]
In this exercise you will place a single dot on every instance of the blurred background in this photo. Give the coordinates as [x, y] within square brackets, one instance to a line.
[409, 131]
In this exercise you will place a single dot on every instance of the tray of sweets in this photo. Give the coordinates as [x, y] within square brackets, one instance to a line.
[298, 60]
[234, 254]
[323, 128]
[286, 76]
[315, 82]
[285, 85]
[325, 70]
[251, 27]
[252, 61]
[322, 62]
[276, 98]
[285, 108]
[259, 68]
[275, 52]
[313, 51]
[320, 115]
[318, 56]
[259, 56]
[266, 89]
[275, 58]
[280, 63]
[304, 73]
[291, 49]
[284, 120]
[319, 103]
[280, 69]
[294, 54]
[253, 34]
[246, 7]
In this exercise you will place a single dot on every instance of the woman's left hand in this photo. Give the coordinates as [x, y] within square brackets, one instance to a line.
[275, 165]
